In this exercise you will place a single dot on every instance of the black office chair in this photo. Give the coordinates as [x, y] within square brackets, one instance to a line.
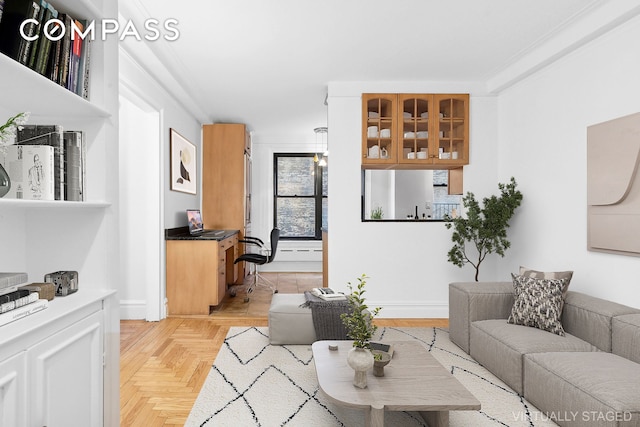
[264, 257]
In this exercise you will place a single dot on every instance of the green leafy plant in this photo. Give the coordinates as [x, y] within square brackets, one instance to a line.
[9, 129]
[359, 320]
[484, 227]
[377, 213]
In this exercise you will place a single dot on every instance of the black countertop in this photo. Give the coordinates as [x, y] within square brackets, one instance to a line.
[182, 233]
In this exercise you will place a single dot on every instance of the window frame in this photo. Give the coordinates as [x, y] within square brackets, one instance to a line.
[317, 196]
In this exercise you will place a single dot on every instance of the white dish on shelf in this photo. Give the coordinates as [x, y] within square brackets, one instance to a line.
[425, 115]
[406, 115]
[411, 155]
[373, 114]
[422, 134]
[385, 133]
[422, 154]
[409, 134]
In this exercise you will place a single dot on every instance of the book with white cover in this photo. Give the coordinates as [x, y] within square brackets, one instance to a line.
[30, 168]
[328, 294]
[12, 279]
[24, 311]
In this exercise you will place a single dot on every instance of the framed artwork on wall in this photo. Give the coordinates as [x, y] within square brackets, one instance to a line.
[183, 164]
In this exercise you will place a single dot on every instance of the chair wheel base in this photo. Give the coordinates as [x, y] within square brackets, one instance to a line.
[246, 299]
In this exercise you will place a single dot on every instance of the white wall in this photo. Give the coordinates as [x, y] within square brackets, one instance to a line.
[542, 141]
[406, 262]
[262, 151]
[137, 81]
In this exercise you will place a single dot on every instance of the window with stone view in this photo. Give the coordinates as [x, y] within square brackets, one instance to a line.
[300, 196]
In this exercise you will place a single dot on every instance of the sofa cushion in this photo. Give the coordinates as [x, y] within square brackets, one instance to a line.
[626, 336]
[580, 389]
[471, 301]
[538, 303]
[590, 318]
[524, 271]
[499, 346]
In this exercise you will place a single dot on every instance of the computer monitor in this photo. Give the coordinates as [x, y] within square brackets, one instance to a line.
[194, 219]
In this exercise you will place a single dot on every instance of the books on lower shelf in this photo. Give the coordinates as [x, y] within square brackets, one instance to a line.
[12, 279]
[67, 166]
[24, 310]
[31, 169]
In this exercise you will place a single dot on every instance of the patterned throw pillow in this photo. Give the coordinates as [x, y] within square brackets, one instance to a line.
[549, 275]
[538, 303]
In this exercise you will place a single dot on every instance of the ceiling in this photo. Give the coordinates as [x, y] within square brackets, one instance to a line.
[268, 63]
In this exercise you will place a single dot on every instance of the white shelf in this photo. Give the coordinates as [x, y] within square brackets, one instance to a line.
[50, 204]
[30, 91]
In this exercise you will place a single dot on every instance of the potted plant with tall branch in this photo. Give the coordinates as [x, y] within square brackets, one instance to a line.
[484, 227]
[360, 328]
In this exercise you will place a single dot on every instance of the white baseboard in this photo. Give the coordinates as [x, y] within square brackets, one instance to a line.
[133, 310]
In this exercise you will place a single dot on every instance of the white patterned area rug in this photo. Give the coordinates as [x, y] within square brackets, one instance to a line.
[253, 383]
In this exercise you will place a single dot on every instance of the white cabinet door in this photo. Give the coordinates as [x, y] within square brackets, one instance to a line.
[66, 376]
[13, 399]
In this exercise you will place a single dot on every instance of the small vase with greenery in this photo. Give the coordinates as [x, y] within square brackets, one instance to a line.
[360, 328]
[484, 227]
[377, 213]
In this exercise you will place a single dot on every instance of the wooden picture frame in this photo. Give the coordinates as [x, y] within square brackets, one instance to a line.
[184, 164]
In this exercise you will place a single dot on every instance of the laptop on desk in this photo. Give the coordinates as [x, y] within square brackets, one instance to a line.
[196, 226]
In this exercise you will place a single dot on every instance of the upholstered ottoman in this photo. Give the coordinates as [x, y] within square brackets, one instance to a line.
[584, 389]
[288, 322]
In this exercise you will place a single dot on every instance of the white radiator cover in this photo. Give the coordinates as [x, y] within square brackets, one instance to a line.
[296, 257]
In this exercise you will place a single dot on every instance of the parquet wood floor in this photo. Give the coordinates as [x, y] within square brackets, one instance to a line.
[164, 364]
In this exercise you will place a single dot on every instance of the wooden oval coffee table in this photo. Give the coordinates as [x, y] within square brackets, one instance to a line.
[413, 381]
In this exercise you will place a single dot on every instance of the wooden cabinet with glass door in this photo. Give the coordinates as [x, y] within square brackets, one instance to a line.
[379, 129]
[452, 127]
[434, 130]
[429, 131]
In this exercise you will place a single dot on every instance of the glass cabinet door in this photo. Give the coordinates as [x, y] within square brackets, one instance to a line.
[452, 128]
[379, 129]
[413, 115]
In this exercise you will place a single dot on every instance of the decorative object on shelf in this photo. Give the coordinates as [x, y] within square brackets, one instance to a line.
[380, 360]
[360, 328]
[485, 227]
[8, 133]
[66, 282]
[321, 160]
[377, 213]
[183, 164]
[5, 182]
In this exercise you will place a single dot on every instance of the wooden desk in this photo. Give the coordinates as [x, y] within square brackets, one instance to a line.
[199, 270]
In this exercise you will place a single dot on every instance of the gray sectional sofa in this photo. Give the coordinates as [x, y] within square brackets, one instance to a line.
[588, 377]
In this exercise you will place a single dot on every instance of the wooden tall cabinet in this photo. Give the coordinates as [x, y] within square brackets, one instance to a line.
[226, 179]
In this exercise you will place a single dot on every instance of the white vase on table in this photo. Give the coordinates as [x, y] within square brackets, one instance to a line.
[360, 360]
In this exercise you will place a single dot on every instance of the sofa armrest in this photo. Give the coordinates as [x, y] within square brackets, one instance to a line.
[471, 301]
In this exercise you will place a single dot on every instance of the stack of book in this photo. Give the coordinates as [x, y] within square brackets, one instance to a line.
[49, 49]
[17, 303]
[46, 163]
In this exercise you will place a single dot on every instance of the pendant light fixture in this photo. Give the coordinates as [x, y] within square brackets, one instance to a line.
[321, 160]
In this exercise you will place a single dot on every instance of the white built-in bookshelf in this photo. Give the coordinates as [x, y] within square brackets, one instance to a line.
[39, 237]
